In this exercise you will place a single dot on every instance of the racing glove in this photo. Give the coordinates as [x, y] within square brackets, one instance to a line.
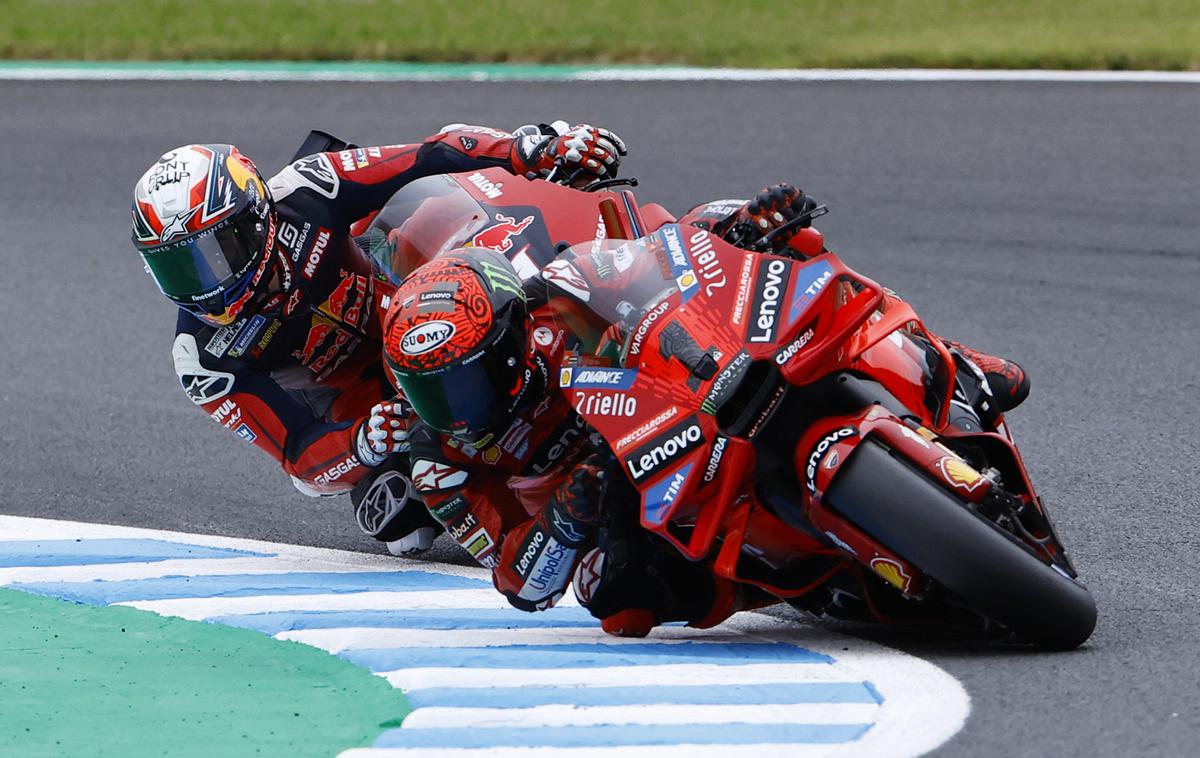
[770, 209]
[387, 508]
[581, 493]
[383, 433]
[584, 152]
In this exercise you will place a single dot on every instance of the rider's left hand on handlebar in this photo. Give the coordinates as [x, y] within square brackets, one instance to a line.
[584, 151]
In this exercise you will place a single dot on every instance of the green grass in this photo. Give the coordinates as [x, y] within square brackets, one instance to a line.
[1067, 34]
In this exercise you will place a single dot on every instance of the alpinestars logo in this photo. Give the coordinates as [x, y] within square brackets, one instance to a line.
[431, 476]
[318, 173]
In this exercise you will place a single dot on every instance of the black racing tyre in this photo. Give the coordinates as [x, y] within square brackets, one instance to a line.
[964, 552]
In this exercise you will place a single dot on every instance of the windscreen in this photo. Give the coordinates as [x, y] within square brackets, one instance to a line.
[423, 220]
[604, 291]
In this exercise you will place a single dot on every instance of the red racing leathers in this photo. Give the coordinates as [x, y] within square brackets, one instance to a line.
[499, 500]
[296, 375]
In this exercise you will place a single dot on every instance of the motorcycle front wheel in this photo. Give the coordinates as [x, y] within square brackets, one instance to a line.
[981, 564]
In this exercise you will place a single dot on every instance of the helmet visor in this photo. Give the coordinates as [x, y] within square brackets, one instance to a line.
[466, 400]
[205, 269]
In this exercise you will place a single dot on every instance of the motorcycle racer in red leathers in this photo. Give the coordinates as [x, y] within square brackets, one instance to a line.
[278, 336]
[496, 370]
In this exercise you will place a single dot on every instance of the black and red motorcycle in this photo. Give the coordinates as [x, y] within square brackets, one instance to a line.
[796, 425]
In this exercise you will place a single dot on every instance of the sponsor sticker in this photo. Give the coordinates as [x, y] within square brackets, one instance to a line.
[597, 378]
[706, 261]
[333, 473]
[498, 237]
[811, 280]
[222, 338]
[314, 256]
[725, 382]
[814, 459]
[795, 346]
[893, 573]
[529, 551]
[317, 172]
[463, 525]
[543, 336]
[646, 429]
[643, 328]
[432, 476]
[960, 475]
[714, 459]
[604, 403]
[662, 496]
[665, 449]
[426, 336]
[491, 190]
[550, 572]
[242, 343]
[567, 278]
[554, 448]
[480, 546]
[447, 511]
[246, 433]
[770, 287]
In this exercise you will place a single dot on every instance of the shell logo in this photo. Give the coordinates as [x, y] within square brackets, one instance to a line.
[892, 572]
[960, 475]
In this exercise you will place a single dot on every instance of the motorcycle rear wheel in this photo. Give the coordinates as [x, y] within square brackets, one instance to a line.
[984, 566]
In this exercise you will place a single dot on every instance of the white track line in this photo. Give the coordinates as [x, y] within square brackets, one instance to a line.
[568, 715]
[499, 73]
[649, 751]
[347, 638]
[664, 675]
[116, 572]
[198, 609]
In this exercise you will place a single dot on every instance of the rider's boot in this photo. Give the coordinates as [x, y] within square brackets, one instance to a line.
[1008, 382]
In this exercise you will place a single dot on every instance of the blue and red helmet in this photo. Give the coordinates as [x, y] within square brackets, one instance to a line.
[204, 224]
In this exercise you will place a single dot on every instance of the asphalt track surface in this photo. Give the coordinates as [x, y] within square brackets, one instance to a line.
[1055, 223]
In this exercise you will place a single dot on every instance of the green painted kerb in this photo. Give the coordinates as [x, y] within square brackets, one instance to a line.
[115, 681]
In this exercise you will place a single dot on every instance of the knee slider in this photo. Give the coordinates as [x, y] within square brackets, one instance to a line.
[387, 508]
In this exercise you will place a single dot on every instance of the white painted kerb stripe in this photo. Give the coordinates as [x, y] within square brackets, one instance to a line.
[495, 73]
[626, 751]
[662, 675]
[350, 638]
[922, 705]
[198, 609]
[568, 715]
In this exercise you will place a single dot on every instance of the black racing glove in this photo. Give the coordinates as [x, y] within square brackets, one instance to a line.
[581, 494]
[770, 209]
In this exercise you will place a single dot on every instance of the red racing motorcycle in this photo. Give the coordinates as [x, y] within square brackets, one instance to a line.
[781, 417]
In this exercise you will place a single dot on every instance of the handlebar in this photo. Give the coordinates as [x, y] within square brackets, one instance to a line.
[764, 243]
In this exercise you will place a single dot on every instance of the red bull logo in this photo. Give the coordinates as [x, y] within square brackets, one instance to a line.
[316, 336]
[352, 292]
[499, 237]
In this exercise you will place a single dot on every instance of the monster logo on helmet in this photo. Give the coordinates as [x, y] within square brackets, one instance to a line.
[203, 223]
[454, 342]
